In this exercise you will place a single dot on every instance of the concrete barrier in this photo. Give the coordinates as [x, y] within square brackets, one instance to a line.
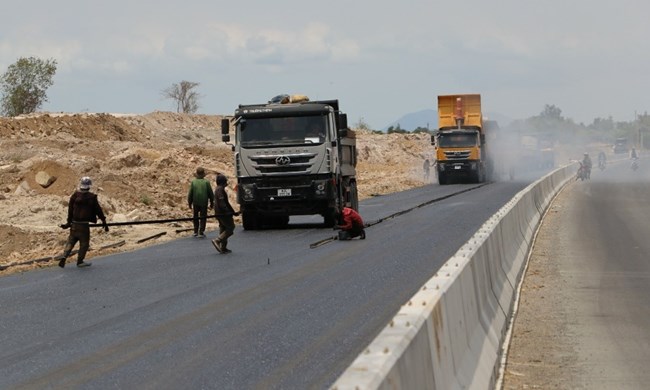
[449, 334]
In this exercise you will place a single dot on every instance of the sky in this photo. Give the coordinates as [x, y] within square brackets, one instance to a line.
[381, 59]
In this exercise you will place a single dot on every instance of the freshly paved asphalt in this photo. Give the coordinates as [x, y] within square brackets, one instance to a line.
[273, 314]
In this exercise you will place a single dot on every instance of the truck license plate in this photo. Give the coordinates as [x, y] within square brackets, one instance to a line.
[284, 192]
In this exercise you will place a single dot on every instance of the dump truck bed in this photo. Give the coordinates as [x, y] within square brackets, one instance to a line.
[471, 111]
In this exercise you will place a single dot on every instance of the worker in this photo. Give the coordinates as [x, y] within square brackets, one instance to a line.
[352, 225]
[83, 208]
[224, 213]
[199, 198]
[426, 167]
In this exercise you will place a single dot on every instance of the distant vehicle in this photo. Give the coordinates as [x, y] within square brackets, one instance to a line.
[460, 140]
[620, 146]
[583, 172]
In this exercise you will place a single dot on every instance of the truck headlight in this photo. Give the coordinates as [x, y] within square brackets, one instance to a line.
[441, 166]
[320, 188]
[247, 191]
[472, 166]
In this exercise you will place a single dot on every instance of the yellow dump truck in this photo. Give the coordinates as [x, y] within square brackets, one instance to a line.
[460, 145]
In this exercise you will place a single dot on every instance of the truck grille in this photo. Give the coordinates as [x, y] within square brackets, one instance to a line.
[457, 155]
[283, 164]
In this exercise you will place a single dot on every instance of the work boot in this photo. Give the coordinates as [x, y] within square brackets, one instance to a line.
[81, 264]
[201, 235]
[62, 261]
[226, 250]
[362, 236]
[217, 245]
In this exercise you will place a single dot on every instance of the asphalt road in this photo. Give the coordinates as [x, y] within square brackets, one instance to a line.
[584, 319]
[273, 314]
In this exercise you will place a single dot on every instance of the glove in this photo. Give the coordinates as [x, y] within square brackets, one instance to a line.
[65, 226]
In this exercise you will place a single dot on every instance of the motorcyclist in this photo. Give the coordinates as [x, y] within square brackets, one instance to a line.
[602, 159]
[634, 158]
[586, 163]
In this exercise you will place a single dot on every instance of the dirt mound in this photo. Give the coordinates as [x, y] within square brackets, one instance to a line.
[141, 166]
[98, 127]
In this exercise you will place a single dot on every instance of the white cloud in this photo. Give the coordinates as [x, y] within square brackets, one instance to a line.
[521, 55]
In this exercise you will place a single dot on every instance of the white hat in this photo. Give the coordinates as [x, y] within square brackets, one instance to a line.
[85, 183]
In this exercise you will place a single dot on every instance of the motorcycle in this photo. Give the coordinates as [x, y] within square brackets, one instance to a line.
[583, 172]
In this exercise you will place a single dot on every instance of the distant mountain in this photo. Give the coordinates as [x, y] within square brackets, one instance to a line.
[429, 119]
[425, 118]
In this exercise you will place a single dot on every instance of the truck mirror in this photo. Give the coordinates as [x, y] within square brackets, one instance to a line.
[433, 139]
[225, 126]
[343, 121]
[225, 130]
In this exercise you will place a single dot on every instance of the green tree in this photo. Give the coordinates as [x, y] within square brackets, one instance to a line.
[421, 129]
[24, 84]
[396, 129]
[184, 95]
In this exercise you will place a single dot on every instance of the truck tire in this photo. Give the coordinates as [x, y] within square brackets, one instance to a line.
[442, 179]
[278, 222]
[329, 219]
[250, 220]
[478, 176]
[354, 196]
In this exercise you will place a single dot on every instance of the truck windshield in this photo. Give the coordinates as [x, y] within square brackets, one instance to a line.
[457, 140]
[297, 130]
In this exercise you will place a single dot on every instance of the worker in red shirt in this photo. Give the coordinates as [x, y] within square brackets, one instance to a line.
[352, 225]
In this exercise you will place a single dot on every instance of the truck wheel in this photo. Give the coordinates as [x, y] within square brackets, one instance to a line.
[329, 219]
[278, 222]
[249, 221]
[442, 179]
[478, 176]
[354, 196]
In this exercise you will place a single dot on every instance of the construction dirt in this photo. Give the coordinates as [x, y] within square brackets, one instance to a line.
[141, 167]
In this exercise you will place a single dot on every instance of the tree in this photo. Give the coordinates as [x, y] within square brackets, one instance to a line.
[186, 98]
[24, 85]
[396, 129]
[362, 125]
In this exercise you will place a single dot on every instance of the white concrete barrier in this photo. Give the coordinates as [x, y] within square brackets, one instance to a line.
[449, 334]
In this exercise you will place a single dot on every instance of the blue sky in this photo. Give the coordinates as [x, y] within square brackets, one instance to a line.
[382, 59]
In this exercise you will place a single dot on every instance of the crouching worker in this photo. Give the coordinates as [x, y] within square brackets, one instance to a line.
[352, 225]
[224, 213]
[83, 209]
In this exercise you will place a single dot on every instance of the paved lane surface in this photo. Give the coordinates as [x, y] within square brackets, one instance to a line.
[273, 314]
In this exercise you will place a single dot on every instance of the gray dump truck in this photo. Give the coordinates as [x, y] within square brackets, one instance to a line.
[292, 157]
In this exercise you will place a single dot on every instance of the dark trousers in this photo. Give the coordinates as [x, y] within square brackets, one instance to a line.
[79, 232]
[355, 231]
[226, 228]
[200, 215]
